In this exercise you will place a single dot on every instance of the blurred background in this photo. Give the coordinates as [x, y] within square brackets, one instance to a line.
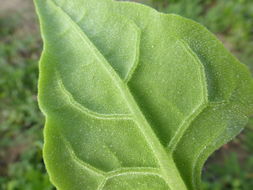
[21, 123]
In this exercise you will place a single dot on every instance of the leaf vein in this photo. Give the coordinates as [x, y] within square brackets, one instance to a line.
[199, 108]
[79, 161]
[87, 111]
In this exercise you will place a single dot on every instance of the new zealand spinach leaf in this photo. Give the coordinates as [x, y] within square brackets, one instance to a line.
[134, 99]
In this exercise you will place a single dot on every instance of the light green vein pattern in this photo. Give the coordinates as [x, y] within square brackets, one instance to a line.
[134, 99]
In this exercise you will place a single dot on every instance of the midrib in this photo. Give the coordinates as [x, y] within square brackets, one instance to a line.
[165, 160]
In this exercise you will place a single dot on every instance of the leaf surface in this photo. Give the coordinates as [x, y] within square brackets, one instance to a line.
[134, 99]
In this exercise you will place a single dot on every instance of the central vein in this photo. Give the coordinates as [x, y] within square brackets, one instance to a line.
[165, 160]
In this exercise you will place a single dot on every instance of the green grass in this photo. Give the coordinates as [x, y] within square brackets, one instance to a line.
[231, 168]
[21, 122]
[21, 165]
[230, 174]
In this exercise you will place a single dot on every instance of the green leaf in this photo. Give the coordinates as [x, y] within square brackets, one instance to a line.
[134, 99]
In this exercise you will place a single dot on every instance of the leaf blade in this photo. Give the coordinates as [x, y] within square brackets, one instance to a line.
[95, 114]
